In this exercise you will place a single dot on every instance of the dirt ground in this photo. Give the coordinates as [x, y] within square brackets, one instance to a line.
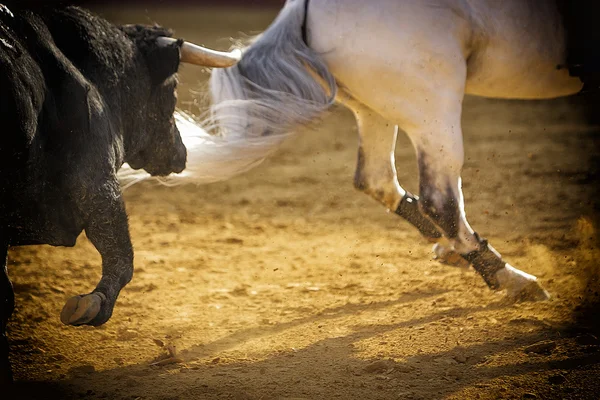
[287, 283]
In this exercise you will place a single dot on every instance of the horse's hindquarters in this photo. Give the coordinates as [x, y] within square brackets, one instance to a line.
[511, 49]
[517, 49]
[399, 58]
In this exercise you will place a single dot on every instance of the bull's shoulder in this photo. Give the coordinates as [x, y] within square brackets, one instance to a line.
[33, 60]
[96, 47]
[67, 133]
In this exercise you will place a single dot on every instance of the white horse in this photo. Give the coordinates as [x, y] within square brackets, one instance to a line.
[403, 64]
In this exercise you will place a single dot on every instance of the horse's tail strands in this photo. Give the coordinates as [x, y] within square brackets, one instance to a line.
[279, 85]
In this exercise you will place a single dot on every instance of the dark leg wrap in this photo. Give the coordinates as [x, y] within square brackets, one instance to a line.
[486, 261]
[409, 210]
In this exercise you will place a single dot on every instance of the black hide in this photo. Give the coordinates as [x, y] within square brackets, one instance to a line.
[78, 97]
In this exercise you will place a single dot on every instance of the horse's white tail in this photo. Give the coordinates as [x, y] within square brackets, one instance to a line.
[279, 85]
[210, 158]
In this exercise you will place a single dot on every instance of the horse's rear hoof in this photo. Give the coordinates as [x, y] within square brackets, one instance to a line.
[533, 291]
[519, 285]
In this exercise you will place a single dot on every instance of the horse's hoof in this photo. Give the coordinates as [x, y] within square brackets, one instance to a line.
[519, 285]
[448, 257]
[80, 310]
[533, 291]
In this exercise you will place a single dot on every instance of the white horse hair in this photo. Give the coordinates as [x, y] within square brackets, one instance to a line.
[210, 158]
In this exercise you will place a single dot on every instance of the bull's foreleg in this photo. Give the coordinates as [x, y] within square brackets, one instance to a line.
[107, 228]
[376, 176]
[440, 157]
[7, 305]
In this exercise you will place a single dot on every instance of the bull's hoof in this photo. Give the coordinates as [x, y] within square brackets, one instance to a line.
[449, 257]
[83, 310]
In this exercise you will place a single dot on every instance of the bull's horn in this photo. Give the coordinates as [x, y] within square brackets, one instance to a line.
[194, 54]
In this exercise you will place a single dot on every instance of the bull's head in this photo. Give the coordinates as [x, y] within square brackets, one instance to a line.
[159, 149]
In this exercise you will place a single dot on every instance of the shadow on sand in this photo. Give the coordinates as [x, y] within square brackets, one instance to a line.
[292, 374]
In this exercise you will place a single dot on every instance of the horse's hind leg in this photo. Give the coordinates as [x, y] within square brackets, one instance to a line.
[439, 212]
[436, 134]
[439, 145]
[376, 174]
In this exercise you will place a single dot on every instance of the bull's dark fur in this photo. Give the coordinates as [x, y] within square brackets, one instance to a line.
[78, 98]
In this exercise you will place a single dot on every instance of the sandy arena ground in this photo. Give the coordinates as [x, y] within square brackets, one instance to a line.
[287, 283]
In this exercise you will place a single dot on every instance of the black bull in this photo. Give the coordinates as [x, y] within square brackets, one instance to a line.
[78, 98]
